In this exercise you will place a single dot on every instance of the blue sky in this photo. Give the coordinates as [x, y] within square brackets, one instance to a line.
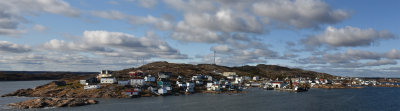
[340, 37]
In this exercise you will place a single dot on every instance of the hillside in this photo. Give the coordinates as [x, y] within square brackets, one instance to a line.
[270, 71]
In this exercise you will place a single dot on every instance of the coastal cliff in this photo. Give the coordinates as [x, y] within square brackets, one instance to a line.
[52, 102]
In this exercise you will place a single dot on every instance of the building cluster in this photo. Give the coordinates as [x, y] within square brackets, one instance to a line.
[137, 81]
[162, 84]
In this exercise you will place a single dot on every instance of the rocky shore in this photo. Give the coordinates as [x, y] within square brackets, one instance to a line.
[71, 89]
[52, 102]
[331, 86]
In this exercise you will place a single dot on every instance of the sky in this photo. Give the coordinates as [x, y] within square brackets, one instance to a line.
[339, 37]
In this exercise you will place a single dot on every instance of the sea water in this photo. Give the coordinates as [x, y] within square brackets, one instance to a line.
[256, 99]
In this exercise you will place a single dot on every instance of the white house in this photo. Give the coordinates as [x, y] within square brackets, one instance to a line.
[209, 84]
[91, 87]
[105, 73]
[226, 74]
[150, 78]
[108, 80]
[181, 84]
[277, 84]
[210, 78]
[196, 78]
[238, 80]
[162, 91]
[83, 82]
[231, 77]
[136, 82]
[256, 78]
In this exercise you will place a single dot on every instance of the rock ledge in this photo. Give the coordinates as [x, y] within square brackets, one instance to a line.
[53, 102]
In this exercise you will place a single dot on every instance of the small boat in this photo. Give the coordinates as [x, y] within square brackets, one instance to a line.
[269, 88]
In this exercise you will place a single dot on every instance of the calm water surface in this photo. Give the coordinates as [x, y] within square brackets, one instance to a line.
[366, 99]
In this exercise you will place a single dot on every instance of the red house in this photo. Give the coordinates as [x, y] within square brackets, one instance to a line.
[135, 74]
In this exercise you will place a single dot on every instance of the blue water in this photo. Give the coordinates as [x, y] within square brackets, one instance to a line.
[366, 99]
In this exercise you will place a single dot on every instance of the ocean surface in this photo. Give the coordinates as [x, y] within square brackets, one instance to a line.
[366, 99]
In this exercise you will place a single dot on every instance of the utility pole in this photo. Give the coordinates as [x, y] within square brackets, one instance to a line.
[143, 61]
[137, 61]
[214, 57]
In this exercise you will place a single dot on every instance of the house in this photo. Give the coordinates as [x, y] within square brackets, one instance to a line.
[164, 76]
[238, 80]
[108, 80]
[136, 82]
[133, 92]
[222, 81]
[197, 77]
[83, 82]
[137, 73]
[256, 78]
[150, 78]
[199, 82]
[247, 78]
[189, 87]
[215, 88]
[277, 84]
[231, 77]
[163, 84]
[162, 91]
[180, 84]
[91, 87]
[104, 73]
[180, 78]
[226, 74]
[91, 80]
[209, 84]
[210, 78]
[123, 82]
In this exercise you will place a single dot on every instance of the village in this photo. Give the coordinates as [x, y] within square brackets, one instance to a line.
[138, 83]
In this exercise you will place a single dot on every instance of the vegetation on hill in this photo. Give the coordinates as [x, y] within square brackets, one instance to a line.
[269, 71]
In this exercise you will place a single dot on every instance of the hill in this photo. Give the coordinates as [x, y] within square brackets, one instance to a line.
[269, 71]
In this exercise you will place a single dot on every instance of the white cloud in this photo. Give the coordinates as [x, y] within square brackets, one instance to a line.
[148, 3]
[299, 13]
[221, 48]
[381, 62]
[352, 59]
[393, 54]
[347, 37]
[12, 12]
[6, 46]
[39, 28]
[358, 54]
[159, 23]
[118, 44]
[116, 15]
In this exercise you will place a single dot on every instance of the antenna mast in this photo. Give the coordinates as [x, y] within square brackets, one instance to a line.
[214, 57]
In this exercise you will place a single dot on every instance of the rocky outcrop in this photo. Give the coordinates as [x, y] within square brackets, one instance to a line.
[52, 102]
[72, 89]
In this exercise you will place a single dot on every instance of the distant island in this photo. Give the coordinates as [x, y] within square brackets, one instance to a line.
[163, 78]
[39, 75]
